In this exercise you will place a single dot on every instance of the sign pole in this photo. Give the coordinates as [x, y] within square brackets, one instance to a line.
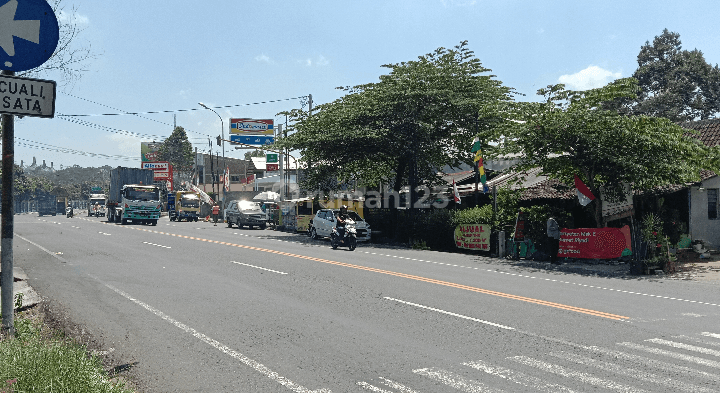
[7, 220]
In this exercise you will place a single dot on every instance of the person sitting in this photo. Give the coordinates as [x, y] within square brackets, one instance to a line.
[341, 217]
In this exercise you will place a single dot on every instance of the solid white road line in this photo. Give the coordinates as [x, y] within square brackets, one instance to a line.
[451, 313]
[257, 366]
[372, 388]
[630, 372]
[687, 347]
[395, 385]
[670, 368]
[534, 383]
[258, 267]
[584, 378]
[687, 358]
[456, 381]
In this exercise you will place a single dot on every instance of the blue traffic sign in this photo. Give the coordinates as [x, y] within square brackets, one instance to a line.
[29, 34]
[252, 139]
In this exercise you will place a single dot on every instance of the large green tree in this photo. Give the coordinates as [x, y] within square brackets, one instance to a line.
[400, 130]
[177, 150]
[674, 83]
[571, 133]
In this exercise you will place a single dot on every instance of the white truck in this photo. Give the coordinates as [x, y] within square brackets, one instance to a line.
[96, 205]
[133, 196]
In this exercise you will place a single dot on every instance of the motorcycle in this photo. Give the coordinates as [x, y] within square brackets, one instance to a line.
[69, 212]
[348, 238]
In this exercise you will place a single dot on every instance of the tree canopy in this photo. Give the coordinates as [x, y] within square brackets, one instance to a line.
[400, 130]
[674, 83]
[572, 133]
[177, 150]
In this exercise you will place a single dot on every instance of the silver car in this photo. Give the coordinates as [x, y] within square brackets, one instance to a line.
[247, 213]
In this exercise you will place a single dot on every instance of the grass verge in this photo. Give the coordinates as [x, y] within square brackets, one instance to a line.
[40, 359]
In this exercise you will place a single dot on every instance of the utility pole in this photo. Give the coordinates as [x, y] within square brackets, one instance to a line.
[282, 168]
[7, 221]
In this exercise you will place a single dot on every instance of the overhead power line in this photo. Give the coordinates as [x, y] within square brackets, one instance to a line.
[111, 129]
[184, 110]
[47, 147]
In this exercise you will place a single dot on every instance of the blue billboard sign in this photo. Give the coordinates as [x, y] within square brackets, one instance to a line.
[252, 139]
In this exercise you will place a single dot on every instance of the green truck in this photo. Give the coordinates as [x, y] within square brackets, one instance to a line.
[133, 197]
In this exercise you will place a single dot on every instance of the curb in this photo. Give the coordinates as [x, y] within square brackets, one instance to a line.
[21, 286]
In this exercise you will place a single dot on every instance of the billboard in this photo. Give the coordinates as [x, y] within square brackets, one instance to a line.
[149, 151]
[252, 126]
[473, 236]
[252, 139]
[595, 243]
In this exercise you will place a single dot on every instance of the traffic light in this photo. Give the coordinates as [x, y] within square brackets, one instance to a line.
[219, 140]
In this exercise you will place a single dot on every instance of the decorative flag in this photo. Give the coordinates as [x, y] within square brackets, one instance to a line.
[481, 169]
[227, 179]
[583, 192]
[456, 194]
[476, 145]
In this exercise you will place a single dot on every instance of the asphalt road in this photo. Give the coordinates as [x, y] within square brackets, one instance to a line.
[196, 307]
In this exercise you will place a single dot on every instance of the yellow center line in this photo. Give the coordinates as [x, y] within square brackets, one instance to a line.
[411, 277]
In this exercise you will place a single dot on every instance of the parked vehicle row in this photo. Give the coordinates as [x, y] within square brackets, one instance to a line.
[251, 214]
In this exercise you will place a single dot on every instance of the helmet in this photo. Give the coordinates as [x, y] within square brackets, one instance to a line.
[97, 203]
[343, 209]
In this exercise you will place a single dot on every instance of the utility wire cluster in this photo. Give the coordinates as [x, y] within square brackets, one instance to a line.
[74, 119]
[44, 146]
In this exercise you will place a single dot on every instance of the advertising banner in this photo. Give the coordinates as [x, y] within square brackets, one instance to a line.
[473, 236]
[157, 166]
[252, 126]
[520, 227]
[595, 243]
[149, 151]
[252, 139]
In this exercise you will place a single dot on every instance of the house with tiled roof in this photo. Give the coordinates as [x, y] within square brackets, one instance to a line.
[703, 197]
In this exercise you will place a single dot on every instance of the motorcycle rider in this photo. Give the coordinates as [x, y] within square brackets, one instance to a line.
[341, 217]
[96, 208]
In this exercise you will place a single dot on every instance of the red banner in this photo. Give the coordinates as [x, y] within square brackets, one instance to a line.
[595, 243]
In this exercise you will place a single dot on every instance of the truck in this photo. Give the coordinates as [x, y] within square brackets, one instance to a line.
[46, 205]
[183, 205]
[133, 197]
[96, 205]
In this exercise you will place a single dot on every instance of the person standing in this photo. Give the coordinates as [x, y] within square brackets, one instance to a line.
[215, 213]
[553, 233]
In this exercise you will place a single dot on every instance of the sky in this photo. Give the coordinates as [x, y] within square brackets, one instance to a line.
[254, 59]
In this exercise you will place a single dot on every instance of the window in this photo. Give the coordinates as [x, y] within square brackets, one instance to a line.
[712, 196]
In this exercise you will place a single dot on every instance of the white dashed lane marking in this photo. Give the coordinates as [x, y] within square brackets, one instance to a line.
[156, 245]
[258, 267]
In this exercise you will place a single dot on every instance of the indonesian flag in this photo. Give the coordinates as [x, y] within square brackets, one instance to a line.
[456, 194]
[583, 192]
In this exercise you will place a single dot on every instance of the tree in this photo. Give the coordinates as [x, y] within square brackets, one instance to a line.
[421, 116]
[177, 150]
[254, 153]
[71, 57]
[674, 83]
[571, 133]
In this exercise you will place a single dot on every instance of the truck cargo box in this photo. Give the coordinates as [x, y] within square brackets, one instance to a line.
[121, 176]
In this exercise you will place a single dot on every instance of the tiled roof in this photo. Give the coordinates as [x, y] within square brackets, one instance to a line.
[548, 189]
[709, 130]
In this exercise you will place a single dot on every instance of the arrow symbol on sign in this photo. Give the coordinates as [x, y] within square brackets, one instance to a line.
[9, 27]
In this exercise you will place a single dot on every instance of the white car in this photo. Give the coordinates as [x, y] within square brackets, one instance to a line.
[325, 220]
